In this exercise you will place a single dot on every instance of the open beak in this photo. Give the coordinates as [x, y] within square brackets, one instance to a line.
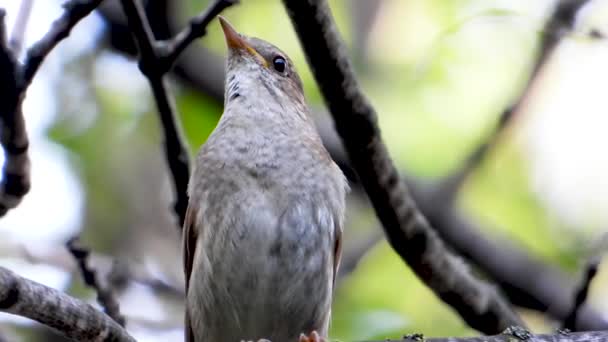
[235, 41]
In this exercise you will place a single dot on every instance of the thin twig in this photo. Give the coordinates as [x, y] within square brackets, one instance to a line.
[582, 292]
[105, 295]
[70, 316]
[74, 11]
[408, 232]
[197, 28]
[155, 60]
[560, 22]
[18, 33]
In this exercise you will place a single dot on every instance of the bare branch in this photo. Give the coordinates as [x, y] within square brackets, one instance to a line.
[154, 62]
[196, 29]
[408, 232]
[105, 295]
[582, 292]
[71, 317]
[510, 266]
[75, 10]
[13, 137]
[18, 33]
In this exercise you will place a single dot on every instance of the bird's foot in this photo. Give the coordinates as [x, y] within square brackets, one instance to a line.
[313, 337]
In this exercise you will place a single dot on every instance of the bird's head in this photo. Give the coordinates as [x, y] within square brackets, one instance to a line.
[257, 68]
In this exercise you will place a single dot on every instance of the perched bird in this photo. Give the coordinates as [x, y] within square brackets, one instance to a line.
[261, 242]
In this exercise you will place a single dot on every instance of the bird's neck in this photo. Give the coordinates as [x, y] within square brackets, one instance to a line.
[253, 97]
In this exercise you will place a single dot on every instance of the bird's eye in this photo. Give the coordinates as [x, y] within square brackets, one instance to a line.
[279, 63]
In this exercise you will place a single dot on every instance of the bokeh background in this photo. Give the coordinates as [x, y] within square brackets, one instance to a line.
[439, 73]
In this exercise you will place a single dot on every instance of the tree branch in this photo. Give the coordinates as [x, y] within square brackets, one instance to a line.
[510, 266]
[18, 33]
[582, 292]
[197, 28]
[154, 62]
[71, 317]
[13, 137]
[105, 295]
[74, 11]
[408, 232]
[351, 257]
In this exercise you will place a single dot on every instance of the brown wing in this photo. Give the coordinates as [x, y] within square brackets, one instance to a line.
[189, 239]
[337, 253]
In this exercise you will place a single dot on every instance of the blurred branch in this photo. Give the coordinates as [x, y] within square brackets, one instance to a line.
[582, 292]
[122, 273]
[155, 60]
[18, 32]
[69, 316]
[119, 276]
[560, 22]
[14, 81]
[363, 15]
[352, 256]
[13, 137]
[74, 11]
[105, 295]
[408, 232]
[511, 267]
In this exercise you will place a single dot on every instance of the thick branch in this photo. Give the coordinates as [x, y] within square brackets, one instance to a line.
[408, 232]
[69, 316]
[13, 137]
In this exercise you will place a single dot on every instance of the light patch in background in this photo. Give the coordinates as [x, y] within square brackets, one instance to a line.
[140, 301]
[565, 134]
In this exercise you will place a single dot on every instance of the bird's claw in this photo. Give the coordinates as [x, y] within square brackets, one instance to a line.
[313, 337]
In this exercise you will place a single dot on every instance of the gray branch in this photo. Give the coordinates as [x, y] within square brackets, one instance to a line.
[155, 60]
[71, 317]
[407, 230]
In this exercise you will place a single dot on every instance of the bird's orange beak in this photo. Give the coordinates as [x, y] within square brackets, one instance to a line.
[236, 42]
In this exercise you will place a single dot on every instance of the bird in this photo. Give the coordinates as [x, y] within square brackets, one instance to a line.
[263, 228]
